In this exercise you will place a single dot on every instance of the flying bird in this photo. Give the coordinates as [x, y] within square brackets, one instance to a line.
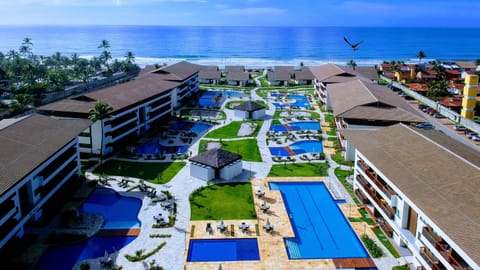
[354, 46]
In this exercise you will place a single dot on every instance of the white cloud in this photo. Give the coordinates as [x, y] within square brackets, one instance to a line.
[254, 11]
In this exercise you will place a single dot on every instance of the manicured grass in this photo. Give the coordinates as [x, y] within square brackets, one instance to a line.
[378, 232]
[299, 169]
[338, 158]
[231, 130]
[341, 175]
[248, 149]
[329, 119]
[276, 122]
[401, 267]
[332, 132]
[227, 201]
[225, 87]
[158, 173]
[263, 82]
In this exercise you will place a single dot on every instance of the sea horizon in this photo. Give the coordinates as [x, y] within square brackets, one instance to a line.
[250, 46]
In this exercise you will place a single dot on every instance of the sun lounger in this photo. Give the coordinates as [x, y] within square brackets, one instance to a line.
[244, 227]
[209, 228]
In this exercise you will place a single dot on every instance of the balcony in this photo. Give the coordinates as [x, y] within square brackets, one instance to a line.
[431, 260]
[388, 191]
[444, 249]
[389, 211]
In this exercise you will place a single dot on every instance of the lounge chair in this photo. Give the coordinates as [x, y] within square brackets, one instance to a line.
[209, 228]
[268, 227]
[260, 193]
[244, 227]
[221, 226]
[264, 207]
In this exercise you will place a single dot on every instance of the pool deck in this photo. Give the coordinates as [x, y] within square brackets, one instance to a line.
[273, 254]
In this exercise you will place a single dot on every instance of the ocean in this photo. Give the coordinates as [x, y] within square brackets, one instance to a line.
[249, 46]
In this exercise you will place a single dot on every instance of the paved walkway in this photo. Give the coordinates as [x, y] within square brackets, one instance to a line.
[171, 257]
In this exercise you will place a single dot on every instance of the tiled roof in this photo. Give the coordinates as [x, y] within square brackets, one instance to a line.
[234, 68]
[28, 143]
[118, 96]
[439, 175]
[238, 76]
[376, 101]
[249, 106]
[178, 71]
[280, 75]
[466, 64]
[209, 74]
[455, 101]
[216, 158]
[304, 74]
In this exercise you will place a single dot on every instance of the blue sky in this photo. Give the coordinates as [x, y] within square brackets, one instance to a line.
[426, 13]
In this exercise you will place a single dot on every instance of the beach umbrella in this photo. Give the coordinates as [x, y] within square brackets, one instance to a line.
[259, 187]
[268, 222]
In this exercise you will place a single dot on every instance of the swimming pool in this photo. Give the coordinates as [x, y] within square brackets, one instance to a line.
[297, 148]
[154, 148]
[321, 230]
[304, 125]
[309, 146]
[119, 212]
[217, 250]
[199, 127]
[301, 125]
[293, 100]
[65, 257]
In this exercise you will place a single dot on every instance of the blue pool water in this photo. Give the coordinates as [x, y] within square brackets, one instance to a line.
[304, 125]
[309, 146]
[234, 94]
[321, 230]
[279, 152]
[278, 128]
[148, 148]
[217, 250]
[199, 127]
[65, 257]
[301, 147]
[293, 100]
[301, 125]
[119, 212]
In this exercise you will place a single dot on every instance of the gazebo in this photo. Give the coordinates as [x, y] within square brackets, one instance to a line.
[249, 110]
[216, 163]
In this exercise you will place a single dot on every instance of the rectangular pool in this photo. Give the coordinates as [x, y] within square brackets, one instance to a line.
[218, 250]
[321, 229]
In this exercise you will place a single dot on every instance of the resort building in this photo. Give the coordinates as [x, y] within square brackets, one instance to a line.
[359, 104]
[279, 77]
[238, 78]
[249, 110]
[137, 105]
[303, 76]
[39, 160]
[209, 74]
[421, 187]
[216, 163]
[329, 74]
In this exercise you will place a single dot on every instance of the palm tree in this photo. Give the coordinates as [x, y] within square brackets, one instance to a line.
[26, 48]
[421, 54]
[130, 57]
[105, 56]
[104, 45]
[100, 112]
[352, 64]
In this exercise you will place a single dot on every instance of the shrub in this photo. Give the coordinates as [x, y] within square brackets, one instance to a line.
[372, 247]
[158, 235]
[140, 255]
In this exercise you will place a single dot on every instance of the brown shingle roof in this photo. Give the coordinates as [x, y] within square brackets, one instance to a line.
[234, 68]
[466, 64]
[305, 74]
[179, 71]
[118, 96]
[249, 106]
[327, 71]
[278, 75]
[26, 144]
[238, 76]
[216, 158]
[209, 74]
[438, 181]
[377, 102]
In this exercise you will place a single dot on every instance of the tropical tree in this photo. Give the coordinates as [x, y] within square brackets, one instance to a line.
[26, 48]
[437, 89]
[420, 55]
[352, 64]
[105, 55]
[99, 112]
[437, 66]
[129, 57]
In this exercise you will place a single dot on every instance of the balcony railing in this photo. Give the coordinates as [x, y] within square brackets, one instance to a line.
[389, 211]
[431, 260]
[387, 229]
[444, 249]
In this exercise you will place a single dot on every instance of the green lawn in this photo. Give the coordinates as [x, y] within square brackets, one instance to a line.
[248, 149]
[341, 175]
[383, 238]
[299, 169]
[158, 173]
[329, 119]
[338, 158]
[231, 130]
[227, 201]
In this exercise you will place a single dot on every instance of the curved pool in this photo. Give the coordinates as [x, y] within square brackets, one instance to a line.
[297, 148]
[118, 212]
[305, 125]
